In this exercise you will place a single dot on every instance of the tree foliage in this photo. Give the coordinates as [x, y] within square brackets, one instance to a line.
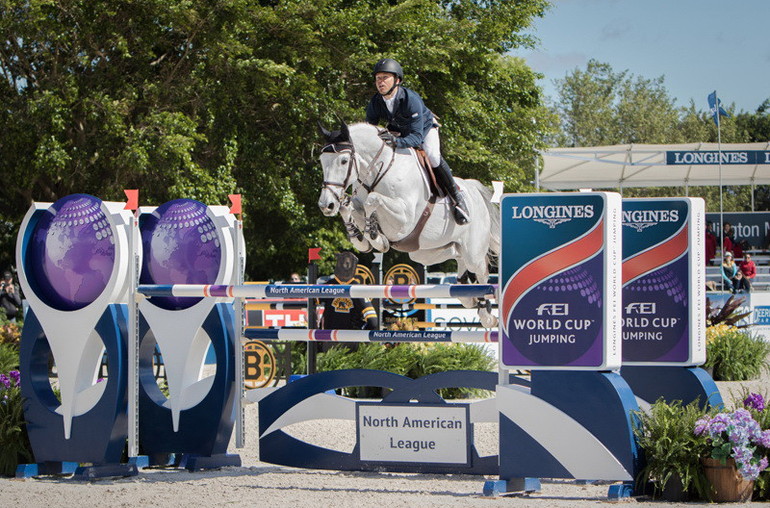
[202, 98]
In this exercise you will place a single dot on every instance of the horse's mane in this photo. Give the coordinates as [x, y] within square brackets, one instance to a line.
[364, 133]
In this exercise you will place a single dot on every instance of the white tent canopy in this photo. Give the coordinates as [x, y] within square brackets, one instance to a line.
[620, 166]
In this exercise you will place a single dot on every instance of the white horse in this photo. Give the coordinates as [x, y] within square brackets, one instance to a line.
[391, 206]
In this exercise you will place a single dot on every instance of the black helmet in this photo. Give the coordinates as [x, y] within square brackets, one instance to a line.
[389, 65]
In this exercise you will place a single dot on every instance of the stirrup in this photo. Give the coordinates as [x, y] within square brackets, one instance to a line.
[459, 206]
[460, 215]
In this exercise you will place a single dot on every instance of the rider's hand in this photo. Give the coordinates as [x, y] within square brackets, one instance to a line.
[388, 138]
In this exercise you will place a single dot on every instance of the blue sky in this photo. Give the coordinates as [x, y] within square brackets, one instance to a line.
[698, 45]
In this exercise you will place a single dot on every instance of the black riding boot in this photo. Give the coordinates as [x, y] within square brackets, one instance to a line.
[446, 181]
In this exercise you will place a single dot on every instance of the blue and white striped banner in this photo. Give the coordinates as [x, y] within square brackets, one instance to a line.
[320, 291]
[302, 335]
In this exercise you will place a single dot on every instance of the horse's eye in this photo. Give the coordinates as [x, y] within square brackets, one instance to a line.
[344, 161]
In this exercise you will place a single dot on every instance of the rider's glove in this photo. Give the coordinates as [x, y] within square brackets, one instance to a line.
[388, 138]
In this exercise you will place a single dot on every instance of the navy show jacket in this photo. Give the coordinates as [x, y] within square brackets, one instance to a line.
[410, 117]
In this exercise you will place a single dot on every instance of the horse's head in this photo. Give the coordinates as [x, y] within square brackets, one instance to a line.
[338, 160]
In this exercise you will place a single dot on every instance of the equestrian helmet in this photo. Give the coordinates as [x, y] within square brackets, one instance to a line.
[389, 65]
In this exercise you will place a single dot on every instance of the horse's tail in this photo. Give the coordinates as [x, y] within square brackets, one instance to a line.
[494, 220]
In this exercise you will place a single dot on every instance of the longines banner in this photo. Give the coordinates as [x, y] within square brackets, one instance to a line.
[689, 157]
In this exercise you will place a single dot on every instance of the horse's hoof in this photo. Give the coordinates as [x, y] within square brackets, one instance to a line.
[489, 321]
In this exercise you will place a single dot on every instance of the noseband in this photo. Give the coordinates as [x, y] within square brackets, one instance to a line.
[339, 148]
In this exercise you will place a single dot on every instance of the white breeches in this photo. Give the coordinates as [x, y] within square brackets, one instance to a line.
[432, 147]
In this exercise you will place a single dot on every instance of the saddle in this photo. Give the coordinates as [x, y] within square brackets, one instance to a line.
[422, 158]
[411, 242]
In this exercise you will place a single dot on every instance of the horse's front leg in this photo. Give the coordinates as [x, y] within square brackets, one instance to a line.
[391, 212]
[354, 225]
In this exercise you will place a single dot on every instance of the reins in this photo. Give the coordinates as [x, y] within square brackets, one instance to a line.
[380, 173]
[348, 147]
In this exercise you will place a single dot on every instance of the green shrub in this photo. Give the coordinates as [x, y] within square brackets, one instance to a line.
[14, 443]
[670, 447]
[409, 360]
[444, 357]
[735, 355]
[9, 357]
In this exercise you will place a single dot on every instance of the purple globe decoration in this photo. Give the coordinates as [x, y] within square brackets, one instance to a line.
[71, 254]
[181, 246]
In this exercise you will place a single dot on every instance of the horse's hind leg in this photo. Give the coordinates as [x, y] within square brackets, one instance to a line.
[473, 262]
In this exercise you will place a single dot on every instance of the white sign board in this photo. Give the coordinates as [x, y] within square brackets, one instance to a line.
[437, 434]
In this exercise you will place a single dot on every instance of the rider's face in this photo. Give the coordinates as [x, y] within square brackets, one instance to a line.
[384, 81]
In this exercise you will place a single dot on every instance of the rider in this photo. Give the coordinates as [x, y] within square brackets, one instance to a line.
[406, 113]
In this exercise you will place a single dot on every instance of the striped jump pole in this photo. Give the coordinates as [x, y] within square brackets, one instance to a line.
[303, 335]
[293, 305]
[427, 306]
[320, 291]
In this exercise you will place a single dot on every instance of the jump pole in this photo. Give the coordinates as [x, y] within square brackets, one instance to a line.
[319, 291]
[303, 335]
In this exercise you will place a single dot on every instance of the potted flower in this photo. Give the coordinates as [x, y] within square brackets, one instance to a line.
[757, 406]
[737, 453]
[671, 452]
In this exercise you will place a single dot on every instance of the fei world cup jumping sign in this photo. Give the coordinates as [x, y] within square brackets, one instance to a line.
[663, 282]
[559, 273]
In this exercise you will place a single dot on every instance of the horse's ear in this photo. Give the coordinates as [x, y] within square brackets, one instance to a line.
[325, 133]
[344, 132]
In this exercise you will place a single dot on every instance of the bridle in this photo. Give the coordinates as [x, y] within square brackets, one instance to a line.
[339, 148]
[348, 147]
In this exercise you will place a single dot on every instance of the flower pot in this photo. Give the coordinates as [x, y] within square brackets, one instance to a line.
[673, 490]
[728, 484]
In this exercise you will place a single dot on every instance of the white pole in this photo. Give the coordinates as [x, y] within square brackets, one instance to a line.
[721, 211]
[240, 410]
[133, 340]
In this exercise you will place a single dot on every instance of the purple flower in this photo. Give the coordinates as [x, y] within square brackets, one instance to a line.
[764, 438]
[744, 435]
[5, 380]
[754, 401]
[15, 376]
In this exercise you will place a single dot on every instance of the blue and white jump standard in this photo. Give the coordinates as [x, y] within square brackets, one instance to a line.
[73, 260]
[185, 240]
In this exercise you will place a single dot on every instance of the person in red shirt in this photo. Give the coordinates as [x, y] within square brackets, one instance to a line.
[711, 243]
[749, 270]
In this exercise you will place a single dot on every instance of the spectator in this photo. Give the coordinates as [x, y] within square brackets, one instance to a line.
[731, 244]
[731, 275]
[9, 296]
[711, 244]
[749, 271]
[344, 313]
[295, 278]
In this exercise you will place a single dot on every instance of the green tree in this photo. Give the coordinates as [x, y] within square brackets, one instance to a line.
[201, 98]
[599, 106]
